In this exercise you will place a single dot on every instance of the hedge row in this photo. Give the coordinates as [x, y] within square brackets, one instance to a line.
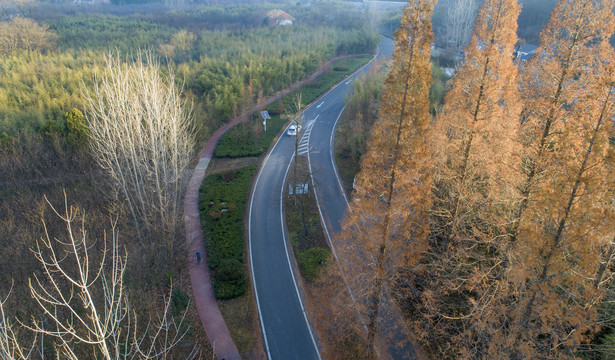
[222, 202]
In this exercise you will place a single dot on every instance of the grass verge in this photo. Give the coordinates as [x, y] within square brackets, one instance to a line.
[303, 223]
[241, 321]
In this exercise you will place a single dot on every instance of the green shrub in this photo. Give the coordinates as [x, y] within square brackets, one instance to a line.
[77, 131]
[225, 290]
[222, 205]
[228, 270]
[179, 301]
[249, 139]
[311, 261]
[51, 129]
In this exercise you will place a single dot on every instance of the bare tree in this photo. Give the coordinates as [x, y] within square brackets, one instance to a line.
[296, 120]
[460, 17]
[85, 301]
[142, 137]
[10, 346]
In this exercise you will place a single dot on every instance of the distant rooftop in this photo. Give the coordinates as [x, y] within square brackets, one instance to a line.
[278, 14]
[527, 49]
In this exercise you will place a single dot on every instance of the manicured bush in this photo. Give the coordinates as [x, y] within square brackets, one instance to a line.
[229, 269]
[225, 290]
[250, 138]
[222, 203]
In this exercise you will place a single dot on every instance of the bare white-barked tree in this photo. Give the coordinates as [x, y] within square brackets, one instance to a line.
[459, 21]
[83, 298]
[142, 137]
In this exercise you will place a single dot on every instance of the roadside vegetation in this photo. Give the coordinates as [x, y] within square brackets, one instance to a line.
[361, 113]
[251, 139]
[460, 225]
[307, 236]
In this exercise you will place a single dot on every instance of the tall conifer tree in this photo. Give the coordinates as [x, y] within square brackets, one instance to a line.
[476, 155]
[551, 83]
[561, 229]
[387, 226]
[474, 136]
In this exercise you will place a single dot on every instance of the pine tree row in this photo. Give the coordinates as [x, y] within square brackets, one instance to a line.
[492, 223]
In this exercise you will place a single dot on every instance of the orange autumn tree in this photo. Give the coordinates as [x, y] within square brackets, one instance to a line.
[474, 137]
[604, 277]
[387, 226]
[476, 159]
[560, 232]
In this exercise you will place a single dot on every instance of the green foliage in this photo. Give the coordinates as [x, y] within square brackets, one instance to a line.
[356, 123]
[226, 290]
[51, 129]
[101, 33]
[35, 87]
[179, 301]
[229, 279]
[223, 229]
[312, 260]
[6, 141]
[436, 92]
[224, 67]
[229, 269]
[339, 70]
[77, 132]
[250, 139]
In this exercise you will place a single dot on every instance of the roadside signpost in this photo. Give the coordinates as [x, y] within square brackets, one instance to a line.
[265, 116]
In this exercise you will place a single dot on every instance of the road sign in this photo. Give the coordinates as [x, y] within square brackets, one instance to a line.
[298, 189]
[265, 116]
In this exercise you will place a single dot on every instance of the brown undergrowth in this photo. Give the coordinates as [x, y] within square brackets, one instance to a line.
[327, 300]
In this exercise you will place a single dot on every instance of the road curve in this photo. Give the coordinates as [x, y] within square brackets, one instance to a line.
[287, 333]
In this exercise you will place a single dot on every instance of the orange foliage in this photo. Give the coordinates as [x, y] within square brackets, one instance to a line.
[387, 227]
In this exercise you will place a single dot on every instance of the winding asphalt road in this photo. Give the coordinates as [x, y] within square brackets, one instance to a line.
[287, 333]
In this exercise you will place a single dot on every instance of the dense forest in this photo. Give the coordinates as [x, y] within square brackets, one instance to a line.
[490, 223]
[118, 197]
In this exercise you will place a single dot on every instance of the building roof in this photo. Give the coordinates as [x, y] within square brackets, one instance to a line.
[278, 14]
[527, 48]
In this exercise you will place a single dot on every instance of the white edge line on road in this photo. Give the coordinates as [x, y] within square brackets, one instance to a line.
[322, 219]
[250, 230]
[258, 305]
[331, 146]
[292, 273]
[324, 226]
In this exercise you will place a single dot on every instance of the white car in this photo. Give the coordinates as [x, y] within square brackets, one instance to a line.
[292, 130]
